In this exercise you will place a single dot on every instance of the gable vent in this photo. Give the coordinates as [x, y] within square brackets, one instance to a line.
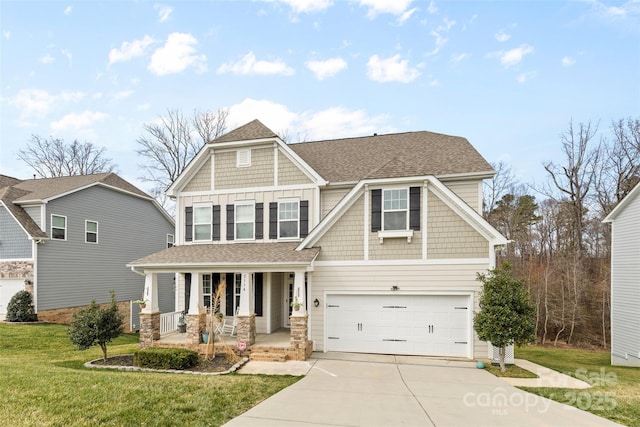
[243, 158]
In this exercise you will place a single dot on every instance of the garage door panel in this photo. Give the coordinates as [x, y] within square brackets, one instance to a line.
[399, 324]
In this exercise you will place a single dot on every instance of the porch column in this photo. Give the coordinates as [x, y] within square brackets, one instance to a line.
[246, 317]
[299, 294]
[150, 314]
[196, 317]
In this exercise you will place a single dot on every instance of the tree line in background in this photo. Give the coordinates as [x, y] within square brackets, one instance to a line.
[559, 245]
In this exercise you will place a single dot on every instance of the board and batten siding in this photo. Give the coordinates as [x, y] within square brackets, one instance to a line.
[14, 241]
[411, 279]
[71, 273]
[625, 289]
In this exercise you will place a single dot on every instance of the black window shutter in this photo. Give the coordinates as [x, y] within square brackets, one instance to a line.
[258, 293]
[230, 222]
[304, 218]
[229, 294]
[216, 222]
[414, 208]
[188, 223]
[376, 210]
[259, 221]
[273, 220]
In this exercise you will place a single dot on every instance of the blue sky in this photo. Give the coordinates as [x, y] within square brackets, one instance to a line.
[507, 75]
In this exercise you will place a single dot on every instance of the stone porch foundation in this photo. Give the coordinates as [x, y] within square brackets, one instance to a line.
[149, 329]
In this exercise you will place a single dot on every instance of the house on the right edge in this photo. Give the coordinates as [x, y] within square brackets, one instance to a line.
[625, 280]
[378, 238]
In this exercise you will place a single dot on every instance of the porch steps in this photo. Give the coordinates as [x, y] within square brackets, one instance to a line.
[269, 354]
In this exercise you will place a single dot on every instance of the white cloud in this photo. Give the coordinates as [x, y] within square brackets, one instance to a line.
[248, 64]
[71, 96]
[512, 57]
[502, 37]
[390, 69]
[567, 61]
[327, 68]
[525, 77]
[33, 102]
[628, 9]
[394, 7]
[164, 12]
[6, 34]
[129, 50]
[177, 55]
[441, 40]
[143, 107]
[304, 6]
[78, 121]
[333, 122]
[406, 15]
[432, 8]
[67, 10]
[67, 55]
[457, 57]
[47, 59]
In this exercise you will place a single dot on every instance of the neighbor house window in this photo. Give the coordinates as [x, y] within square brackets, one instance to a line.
[170, 240]
[202, 222]
[288, 217]
[58, 227]
[395, 209]
[91, 231]
[243, 158]
[245, 220]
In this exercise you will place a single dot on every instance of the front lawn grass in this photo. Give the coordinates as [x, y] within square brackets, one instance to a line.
[615, 392]
[43, 382]
[512, 371]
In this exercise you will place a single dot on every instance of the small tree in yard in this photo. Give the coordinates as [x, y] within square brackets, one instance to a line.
[506, 315]
[96, 325]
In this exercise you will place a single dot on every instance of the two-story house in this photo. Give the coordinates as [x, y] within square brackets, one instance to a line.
[380, 239]
[67, 240]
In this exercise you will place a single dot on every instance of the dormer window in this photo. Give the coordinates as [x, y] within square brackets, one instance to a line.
[243, 158]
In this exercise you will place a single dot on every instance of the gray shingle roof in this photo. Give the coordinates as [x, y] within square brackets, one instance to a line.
[391, 156]
[7, 196]
[252, 130]
[230, 253]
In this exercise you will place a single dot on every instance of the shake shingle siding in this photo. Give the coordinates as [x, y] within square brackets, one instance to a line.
[72, 272]
[14, 242]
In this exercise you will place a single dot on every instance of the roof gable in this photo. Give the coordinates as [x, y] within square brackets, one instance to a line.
[621, 206]
[252, 130]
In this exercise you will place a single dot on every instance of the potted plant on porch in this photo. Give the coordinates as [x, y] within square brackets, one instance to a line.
[296, 304]
[142, 303]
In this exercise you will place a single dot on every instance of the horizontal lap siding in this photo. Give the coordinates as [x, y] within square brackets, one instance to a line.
[72, 272]
[14, 242]
[259, 174]
[469, 191]
[202, 179]
[625, 274]
[378, 278]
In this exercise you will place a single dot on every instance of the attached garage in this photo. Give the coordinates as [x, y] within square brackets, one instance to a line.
[428, 325]
[8, 288]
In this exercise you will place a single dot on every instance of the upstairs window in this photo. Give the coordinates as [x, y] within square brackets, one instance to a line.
[245, 220]
[395, 209]
[288, 217]
[91, 231]
[202, 222]
[58, 227]
[170, 240]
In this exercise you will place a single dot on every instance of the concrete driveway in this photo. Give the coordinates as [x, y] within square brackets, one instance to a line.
[405, 391]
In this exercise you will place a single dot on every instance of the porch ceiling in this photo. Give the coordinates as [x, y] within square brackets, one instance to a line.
[231, 255]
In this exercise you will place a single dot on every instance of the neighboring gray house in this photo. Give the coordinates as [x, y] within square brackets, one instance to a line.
[625, 280]
[379, 238]
[67, 240]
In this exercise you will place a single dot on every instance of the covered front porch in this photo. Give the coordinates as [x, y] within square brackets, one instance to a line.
[265, 297]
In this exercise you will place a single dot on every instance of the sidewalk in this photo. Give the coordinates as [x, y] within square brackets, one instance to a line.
[546, 377]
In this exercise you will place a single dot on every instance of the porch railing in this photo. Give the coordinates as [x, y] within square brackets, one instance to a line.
[169, 322]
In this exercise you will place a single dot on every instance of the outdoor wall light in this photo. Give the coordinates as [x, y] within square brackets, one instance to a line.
[394, 288]
[316, 303]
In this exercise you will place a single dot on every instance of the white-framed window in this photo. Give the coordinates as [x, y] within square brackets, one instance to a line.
[288, 219]
[395, 209]
[243, 158]
[58, 227]
[202, 216]
[170, 240]
[245, 213]
[91, 231]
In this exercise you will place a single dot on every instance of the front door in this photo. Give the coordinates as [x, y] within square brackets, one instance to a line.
[288, 297]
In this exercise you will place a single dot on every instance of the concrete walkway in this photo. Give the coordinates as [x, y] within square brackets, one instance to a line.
[342, 389]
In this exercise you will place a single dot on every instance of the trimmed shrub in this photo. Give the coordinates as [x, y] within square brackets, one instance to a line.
[20, 308]
[165, 358]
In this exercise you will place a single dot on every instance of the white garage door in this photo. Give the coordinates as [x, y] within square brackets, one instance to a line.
[433, 325]
[8, 288]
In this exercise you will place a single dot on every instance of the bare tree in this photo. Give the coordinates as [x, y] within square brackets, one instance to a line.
[52, 157]
[495, 188]
[172, 142]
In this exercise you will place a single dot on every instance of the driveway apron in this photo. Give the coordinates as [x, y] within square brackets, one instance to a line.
[415, 392]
